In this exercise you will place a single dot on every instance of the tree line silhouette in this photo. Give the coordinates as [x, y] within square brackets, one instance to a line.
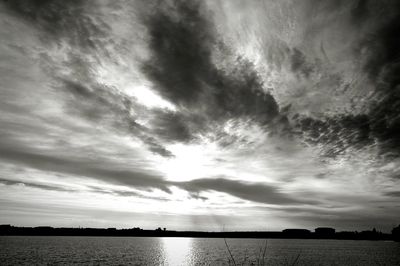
[319, 233]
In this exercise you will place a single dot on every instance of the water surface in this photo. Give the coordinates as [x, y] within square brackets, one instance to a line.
[59, 250]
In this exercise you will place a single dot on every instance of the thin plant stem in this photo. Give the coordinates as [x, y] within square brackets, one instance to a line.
[264, 252]
[296, 260]
[230, 253]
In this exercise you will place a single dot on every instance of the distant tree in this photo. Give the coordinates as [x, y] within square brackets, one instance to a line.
[396, 233]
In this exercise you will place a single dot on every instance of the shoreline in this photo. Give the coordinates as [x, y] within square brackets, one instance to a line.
[8, 230]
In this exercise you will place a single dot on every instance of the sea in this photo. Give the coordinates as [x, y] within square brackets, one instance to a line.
[77, 250]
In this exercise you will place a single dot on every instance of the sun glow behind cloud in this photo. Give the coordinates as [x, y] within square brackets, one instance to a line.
[147, 97]
[189, 162]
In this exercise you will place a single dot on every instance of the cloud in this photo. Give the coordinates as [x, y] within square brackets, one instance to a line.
[172, 126]
[360, 11]
[299, 63]
[101, 170]
[74, 38]
[337, 134]
[60, 19]
[9, 182]
[83, 38]
[395, 194]
[256, 192]
[182, 44]
[371, 120]
[379, 46]
[343, 133]
[104, 105]
[180, 66]
[155, 147]
[86, 189]
[106, 172]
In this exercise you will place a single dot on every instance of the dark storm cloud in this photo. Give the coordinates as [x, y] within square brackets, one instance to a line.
[181, 46]
[171, 126]
[380, 47]
[383, 67]
[59, 19]
[43, 11]
[182, 41]
[360, 11]
[380, 123]
[256, 192]
[239, 94]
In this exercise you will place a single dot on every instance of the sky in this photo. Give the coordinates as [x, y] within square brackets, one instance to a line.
[200, 115]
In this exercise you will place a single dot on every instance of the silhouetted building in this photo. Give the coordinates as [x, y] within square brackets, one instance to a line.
[325, 232]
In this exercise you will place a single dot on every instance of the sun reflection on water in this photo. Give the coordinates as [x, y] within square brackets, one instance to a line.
[177, 251]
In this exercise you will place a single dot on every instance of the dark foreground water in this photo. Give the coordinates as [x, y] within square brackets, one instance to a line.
[54, 250]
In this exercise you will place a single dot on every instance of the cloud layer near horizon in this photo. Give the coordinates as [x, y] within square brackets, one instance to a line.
[197, 114]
